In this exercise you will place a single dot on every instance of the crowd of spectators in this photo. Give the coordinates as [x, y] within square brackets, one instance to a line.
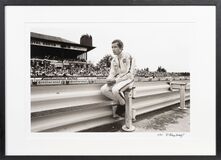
[52, 67]
[145, 73]
[47, 68]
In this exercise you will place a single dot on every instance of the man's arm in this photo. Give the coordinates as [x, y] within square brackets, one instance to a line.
[112, 74]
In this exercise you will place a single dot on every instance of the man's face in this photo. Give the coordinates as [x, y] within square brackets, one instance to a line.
[115, 48]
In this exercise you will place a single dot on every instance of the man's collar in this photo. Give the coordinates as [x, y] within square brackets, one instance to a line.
[120, 55]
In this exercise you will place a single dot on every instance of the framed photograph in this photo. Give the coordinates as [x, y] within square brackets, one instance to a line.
[133, 78]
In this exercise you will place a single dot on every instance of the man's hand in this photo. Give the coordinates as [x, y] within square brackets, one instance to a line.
[111, 81]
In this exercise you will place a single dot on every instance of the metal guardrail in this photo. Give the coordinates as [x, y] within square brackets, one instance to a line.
[69, 108]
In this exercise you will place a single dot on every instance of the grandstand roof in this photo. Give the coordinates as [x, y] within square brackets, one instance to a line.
[58, 40]
[50, 38]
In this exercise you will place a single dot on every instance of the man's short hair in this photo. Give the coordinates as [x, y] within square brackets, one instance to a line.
[119, 43]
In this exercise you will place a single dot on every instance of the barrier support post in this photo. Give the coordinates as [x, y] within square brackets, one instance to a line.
[181, 86]
[182, 96]
[128, 111]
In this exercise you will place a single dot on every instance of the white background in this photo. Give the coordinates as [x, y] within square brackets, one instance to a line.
[197, 55]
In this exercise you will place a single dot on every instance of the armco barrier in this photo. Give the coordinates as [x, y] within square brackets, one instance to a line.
[68, 108]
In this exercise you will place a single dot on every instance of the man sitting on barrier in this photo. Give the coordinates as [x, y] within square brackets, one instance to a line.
[121, 76]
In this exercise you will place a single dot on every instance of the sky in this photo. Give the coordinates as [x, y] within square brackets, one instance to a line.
[151, 44]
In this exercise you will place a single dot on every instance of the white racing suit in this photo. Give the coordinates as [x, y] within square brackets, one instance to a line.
[123, 71]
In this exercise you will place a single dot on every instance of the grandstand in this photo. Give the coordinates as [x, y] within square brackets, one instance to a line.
[55, 56]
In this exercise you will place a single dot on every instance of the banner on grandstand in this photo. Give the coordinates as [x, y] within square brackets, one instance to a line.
[49, 82]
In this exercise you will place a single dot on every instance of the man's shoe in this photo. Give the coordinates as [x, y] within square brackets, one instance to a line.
[120, 110]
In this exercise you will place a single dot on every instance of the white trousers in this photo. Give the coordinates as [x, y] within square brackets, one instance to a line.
[115, 91]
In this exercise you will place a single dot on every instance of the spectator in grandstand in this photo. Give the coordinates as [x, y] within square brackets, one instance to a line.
[121, 76]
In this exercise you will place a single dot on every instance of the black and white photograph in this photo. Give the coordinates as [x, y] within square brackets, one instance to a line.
[111, 77]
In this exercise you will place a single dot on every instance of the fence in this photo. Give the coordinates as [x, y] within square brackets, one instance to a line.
[69, 108]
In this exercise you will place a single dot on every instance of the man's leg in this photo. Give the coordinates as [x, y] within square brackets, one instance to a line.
[107, 91]
[118, 89]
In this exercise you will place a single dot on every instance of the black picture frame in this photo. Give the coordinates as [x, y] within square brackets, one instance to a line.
[5, 3]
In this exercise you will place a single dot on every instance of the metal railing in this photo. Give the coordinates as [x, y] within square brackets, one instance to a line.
[71, 108]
